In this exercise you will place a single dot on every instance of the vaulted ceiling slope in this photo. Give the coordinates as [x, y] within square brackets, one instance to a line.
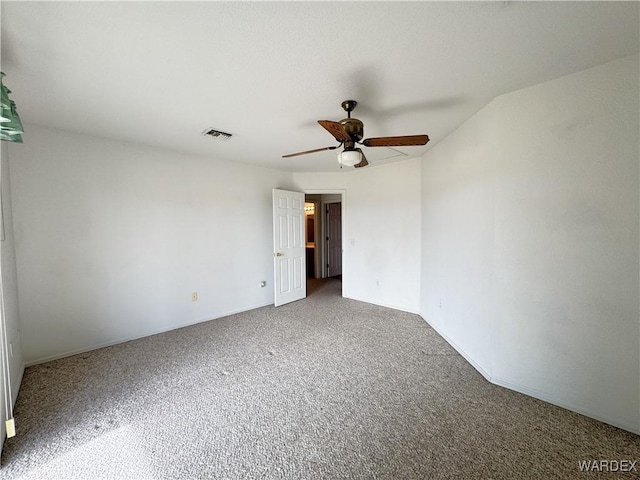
[160, 73]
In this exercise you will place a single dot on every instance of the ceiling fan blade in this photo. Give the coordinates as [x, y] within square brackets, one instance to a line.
[406, 141]
[335, 129]
[310, 151]
[363, 162]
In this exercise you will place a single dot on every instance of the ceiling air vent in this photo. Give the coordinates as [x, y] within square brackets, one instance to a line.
[212, 132]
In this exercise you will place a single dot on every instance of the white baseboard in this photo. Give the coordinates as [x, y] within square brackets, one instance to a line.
[16, 387]
[147, 334]
[380, 304]
[545, 397]
[540, 395]
[473, 363]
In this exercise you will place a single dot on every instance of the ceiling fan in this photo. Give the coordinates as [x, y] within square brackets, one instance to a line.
[349, 132]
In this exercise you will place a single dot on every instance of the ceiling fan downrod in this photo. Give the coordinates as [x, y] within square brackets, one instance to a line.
[349, 106]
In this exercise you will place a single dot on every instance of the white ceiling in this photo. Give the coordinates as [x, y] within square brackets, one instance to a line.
[159, 73]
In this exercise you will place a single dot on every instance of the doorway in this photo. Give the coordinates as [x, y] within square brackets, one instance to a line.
[324, 230]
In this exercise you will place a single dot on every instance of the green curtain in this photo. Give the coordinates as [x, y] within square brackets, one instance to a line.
[10, 124]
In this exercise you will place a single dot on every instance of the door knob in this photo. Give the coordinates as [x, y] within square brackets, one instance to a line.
[279, 254]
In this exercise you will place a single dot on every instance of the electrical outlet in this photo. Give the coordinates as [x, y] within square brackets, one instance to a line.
[194, 297]
[377, 283]
[263, 283]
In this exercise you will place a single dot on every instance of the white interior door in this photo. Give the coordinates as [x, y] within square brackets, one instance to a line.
[334, 239]
[289, 266]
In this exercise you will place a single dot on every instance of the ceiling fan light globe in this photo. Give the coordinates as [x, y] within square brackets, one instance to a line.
[349, 158]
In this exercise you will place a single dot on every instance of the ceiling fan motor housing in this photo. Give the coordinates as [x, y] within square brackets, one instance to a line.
[353, 127]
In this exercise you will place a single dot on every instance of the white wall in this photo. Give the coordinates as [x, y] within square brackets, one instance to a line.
[530, 241]
[112, 239]
[10, 290]
[381, 234]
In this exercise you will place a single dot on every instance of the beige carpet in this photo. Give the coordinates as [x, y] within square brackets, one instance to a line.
[324, 388]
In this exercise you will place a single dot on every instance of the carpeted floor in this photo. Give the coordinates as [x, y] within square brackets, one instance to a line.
[324, 388]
